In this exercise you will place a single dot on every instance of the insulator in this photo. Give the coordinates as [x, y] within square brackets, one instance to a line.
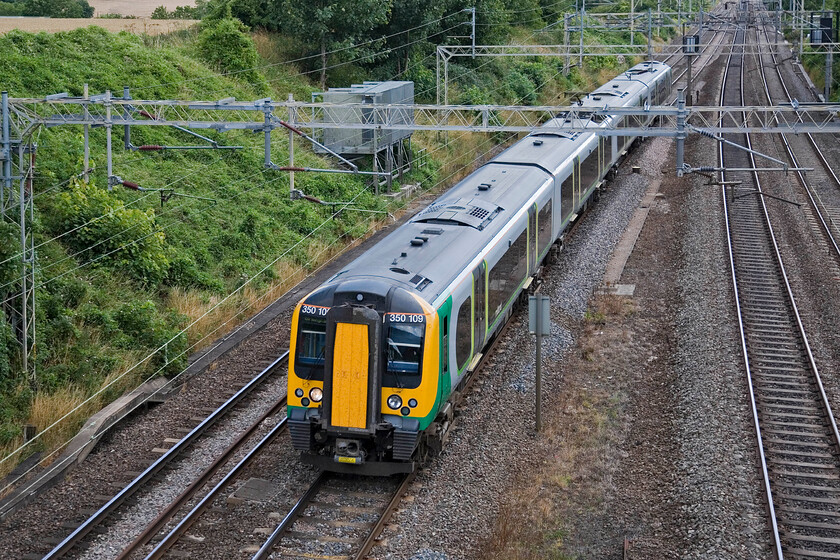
[706, 133]
[131, 185]
[150, 148]
[147, 115]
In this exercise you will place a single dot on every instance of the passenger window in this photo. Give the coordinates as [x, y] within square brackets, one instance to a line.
[463, 334]
[311, 343]
[403, 355]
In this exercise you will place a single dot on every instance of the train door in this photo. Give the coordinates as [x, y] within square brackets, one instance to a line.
[567, 196]
[480, 304]
[351, 377]
[532, 238]
[602, 164]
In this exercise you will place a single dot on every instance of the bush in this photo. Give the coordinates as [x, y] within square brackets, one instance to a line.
[7, 351]
[144, 327]
[9, 259]
[104, 230]
[225, 44]
[521, 88]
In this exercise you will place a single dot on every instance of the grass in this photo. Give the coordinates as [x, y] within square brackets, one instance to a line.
[572, 471]
[100, 318]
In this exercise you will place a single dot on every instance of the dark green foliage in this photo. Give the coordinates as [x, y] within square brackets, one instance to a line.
[142, 326]
[105, 231]
[226, 45]
[11, 8]
[181, 12]
[58, 8]
[8, 345]
[520, 88]
[9, 255]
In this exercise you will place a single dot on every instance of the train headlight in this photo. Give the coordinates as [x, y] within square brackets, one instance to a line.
[298, 392]
[394, 402]
[316, 394]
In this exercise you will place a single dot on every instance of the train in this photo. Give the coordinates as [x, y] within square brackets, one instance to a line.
[378, 351]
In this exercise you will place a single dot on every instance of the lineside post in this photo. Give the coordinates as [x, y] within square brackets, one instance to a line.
[539, 323]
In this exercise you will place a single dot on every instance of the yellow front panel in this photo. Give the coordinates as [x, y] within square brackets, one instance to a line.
[350, 376]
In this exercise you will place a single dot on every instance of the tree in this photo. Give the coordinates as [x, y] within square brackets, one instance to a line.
[58, 8]
[225, 44]
[329, 25]
[160, 13]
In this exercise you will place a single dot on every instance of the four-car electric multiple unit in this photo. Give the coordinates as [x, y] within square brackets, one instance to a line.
[378, 350]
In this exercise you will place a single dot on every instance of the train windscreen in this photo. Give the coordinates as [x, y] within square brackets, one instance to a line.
[311, 345]
[403, 353]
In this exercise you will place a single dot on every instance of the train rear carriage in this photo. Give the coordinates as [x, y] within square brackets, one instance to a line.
[648, 83]
[378, 349]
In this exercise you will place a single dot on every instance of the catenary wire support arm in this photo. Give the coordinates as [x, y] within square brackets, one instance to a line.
[153, 147]
[300, 133]
[165, 194]
[785, 166]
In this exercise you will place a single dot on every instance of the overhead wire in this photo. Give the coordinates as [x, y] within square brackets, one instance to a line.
[109, 213]
[183, 331]
[301, 59]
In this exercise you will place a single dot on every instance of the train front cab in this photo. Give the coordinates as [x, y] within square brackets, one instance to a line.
[375, 375]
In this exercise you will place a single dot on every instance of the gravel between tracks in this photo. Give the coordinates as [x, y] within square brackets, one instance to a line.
[674, 469]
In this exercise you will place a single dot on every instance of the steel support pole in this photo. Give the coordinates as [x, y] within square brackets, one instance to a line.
[567, 61]
[292, 119]
[24, 277]
[829, 76]
[445, 80]
[681, 134]
[6, 185]
[801, 24]
[659, 18]
[472, 34]
[108, 127]
[87, 136]
[650, 34]
[437, 76]
[581, 15]
[126, 115]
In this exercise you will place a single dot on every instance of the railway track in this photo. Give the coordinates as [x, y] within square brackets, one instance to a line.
[146, 480]
[338, 516]
[822, 183]
[798, 441]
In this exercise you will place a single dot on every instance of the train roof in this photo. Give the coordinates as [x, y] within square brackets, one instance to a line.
[460, 223]
[463, 221]
[625, 88]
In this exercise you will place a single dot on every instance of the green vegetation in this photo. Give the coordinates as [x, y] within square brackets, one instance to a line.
[122, 273]
[181, 12]
[47, 8]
